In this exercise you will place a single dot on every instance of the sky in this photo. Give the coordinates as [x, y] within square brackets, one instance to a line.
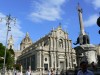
[38, 17]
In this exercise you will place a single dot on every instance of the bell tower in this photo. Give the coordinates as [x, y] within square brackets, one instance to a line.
[10, 43]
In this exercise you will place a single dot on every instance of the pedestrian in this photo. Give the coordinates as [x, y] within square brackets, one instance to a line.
[15, 72]
[52, 72]
[57, 72]
[49, 73]
[84, 70]
[18, 73]
[28, 72]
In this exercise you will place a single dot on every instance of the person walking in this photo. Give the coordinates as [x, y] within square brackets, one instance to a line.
[52, 72]
[84, 70]
[57, 72]
[28, 72]
[49, 72]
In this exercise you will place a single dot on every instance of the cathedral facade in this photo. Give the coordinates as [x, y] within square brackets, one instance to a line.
[53, 51]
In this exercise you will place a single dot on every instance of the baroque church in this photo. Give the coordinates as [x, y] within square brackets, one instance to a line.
[53, 51]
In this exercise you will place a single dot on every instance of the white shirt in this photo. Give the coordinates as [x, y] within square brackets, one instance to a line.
[49, 73]
[88, 72]
[28, 73]
[19, 73]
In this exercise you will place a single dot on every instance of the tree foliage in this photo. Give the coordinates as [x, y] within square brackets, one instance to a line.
[9, 57]
[2, 48]
[17, 67]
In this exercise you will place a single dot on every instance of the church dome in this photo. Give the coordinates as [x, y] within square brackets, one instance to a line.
[27, 39]
[26, 42]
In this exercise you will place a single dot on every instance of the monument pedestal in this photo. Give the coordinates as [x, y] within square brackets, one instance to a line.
[87, 53]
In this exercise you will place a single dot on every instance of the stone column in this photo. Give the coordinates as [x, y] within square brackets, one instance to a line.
[52, 60]
[72, 59]
[49, 53]
[42, 64]
[53, 49]
[65, 47]
[40, 61]
[68, 59]
[81, 20]
[56, 53]
[55, 59]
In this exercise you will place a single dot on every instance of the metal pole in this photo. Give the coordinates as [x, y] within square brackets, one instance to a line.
[8, 19]
[5, 49]
[8, 29]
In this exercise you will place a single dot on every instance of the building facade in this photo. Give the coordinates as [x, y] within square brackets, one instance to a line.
[53, 51]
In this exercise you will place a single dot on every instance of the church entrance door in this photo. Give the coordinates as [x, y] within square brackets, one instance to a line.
[61, 65]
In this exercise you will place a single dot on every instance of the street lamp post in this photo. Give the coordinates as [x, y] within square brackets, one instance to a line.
[8, 19]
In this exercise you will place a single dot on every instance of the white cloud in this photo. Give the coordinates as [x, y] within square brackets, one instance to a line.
[47, 10]
[15, 31]
[91, 20]
[95, 3]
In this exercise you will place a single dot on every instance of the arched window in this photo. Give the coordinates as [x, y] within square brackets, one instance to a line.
[61, 43]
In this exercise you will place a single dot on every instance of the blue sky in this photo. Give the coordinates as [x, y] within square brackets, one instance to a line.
[38, 17]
